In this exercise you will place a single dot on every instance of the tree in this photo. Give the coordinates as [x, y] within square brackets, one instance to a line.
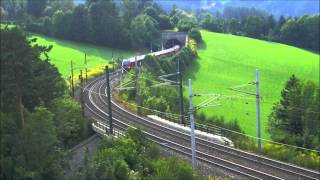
[36, 7]
[291, 33]
[234, 26]
[130, 11]
[80, 26]
[164, 22]
[21, 70]
[31, 153]
[55, 5]
[67, 117]
[294, 119]
[144, 30]
[105, 22]
[61, 24]
[3, 15]
[185, 25]
[47, 26]
[195, 34]
[253, 27]
[302, 32]
[212, 23]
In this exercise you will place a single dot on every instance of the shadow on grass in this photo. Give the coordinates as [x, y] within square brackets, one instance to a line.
[190, 72]
[202, 45]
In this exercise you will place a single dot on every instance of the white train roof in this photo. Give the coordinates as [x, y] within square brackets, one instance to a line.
[158, 53]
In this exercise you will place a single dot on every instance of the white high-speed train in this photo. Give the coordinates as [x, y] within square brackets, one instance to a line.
[199, 134]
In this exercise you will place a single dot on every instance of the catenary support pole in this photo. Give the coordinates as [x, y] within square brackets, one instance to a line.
[81, 94]
[258, 109]
[85, 62]
[72, 85]
[180, 92]
[138, 98]
[109, 101]
[191, 111]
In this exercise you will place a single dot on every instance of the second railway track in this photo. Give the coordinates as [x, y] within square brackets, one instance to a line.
[243, 163]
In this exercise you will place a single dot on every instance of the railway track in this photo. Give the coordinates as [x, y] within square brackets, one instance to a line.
[239, 162]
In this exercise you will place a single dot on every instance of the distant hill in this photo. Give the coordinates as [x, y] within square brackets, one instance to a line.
[275, 7]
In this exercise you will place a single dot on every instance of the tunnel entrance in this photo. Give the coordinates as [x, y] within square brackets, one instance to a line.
[172, 42]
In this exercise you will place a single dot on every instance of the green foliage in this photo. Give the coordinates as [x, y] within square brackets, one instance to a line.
[36, 7]
[131, 157]
[185, 25]
[298, 31]
[61, 24]
[301, 158]
[195, 34]
[103, 15]
[295, 119]
[143, 30]
[80, 24]
[37, 122]
[302, 32]
[24, 71]
[71, 127]
[214, 24]
[159, 15]
[90, 22]
[31, 153]
[173, 169]
[253, 27]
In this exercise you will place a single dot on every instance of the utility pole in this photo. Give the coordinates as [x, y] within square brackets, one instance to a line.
[81, 93]
[109, 101]
[82, 103]
[112, 62]
[258, 109]
[138, 99]
[85, 62]
[72, 85]
[191, 111]
[180, 92]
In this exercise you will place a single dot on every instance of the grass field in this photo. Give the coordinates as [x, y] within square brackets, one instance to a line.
[64, 51]
[226, 61]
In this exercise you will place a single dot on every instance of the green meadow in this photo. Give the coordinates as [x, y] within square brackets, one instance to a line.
[64, 51]
[226, 61]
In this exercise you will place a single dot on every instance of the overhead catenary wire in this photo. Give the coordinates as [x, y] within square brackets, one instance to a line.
[215, 126]
[154, 110]
[266, 140]
[208, 103]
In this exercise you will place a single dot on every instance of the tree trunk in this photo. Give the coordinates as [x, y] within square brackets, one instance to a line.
[20, 108]
[20, 113]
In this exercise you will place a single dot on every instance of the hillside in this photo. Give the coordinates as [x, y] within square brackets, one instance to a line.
[64, 51]
[226, 61]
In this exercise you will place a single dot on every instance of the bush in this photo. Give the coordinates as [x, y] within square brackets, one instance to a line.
[195, 34]
[185, 25]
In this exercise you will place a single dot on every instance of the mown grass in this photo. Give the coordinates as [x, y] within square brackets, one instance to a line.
[225, 61]
[64, 51]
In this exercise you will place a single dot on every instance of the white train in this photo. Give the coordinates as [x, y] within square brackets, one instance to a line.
[199, 134]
